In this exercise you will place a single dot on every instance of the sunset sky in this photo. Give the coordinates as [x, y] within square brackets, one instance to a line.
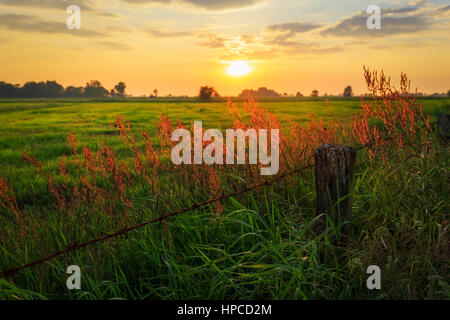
[178, 45]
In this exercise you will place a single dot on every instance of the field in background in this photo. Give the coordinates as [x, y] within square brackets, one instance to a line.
[40, 127]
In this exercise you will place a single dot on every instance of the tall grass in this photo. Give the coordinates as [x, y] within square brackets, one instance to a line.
[260, 245]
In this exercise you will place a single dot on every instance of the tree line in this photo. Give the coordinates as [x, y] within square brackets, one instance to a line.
[206, 93]
[52, 89]
[94, 89]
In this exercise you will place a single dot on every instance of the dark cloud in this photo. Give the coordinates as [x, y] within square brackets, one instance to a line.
[410, 19]
[283, 37]
[212, 5]
[18, 22]
[443, 9]
[356, 26]
[49, 4]
[401, 10]
[85, 5]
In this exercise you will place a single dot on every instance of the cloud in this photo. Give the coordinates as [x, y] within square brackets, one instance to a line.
[270, 44]
[286, 38]
[210, 5]
[24, 23]
[85, 5]
[19, 22]
[282, 38]
[168, 34]
[410, 19]
[205, 38]
[106, 14]
[443, 9]
[292, 28]
[406, 9]
[293, 47]
[212, 40]
[49, 4]
[394, 21]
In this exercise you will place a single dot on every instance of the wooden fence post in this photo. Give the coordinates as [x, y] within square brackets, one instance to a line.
[334, 166]
[443, 127]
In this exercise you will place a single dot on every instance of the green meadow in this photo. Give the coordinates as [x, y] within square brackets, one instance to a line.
[264, 247]
[41, 127]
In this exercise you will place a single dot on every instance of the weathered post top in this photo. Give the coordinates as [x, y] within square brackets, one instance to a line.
[443, 127]
[334, 166]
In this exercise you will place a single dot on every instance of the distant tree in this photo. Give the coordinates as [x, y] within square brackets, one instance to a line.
[32, 89]
[260, 93]
[206, 93]
[348, 91]
[155, 93]
[47, 89]
[314, 93]
[8, 90]
[53, 89]
[94, 89]
[119, 89]
[73, 92]
[448, 92]
[299, 94]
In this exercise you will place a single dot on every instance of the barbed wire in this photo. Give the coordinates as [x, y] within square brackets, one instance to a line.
[10, 272]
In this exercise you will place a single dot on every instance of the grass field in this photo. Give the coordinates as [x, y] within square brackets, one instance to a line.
[264, 245]
[40, 127]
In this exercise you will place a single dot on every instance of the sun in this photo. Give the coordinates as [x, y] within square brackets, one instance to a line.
[238, 68]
